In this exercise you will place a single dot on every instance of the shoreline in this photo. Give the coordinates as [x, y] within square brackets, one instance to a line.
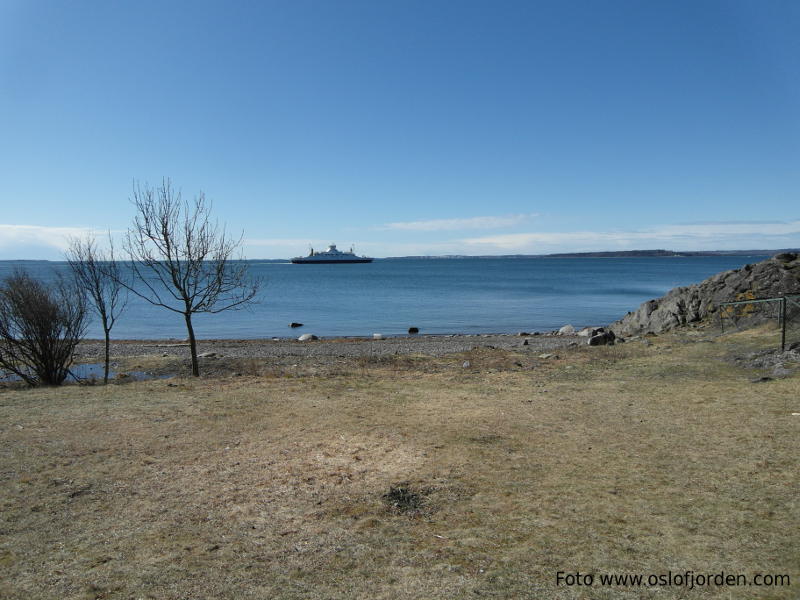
[221, 357]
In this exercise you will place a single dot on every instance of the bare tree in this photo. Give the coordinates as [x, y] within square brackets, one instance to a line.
[183, 259]
[99, 275]
[40, 327]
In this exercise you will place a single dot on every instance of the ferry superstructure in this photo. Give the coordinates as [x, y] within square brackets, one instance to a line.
[331, 256]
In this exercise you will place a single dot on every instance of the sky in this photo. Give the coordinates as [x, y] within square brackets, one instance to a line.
[406, 127]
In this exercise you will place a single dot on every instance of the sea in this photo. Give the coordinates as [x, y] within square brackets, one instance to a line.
[436, 295]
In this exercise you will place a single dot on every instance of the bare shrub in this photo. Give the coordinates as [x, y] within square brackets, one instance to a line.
[99, 275]
[40, 327]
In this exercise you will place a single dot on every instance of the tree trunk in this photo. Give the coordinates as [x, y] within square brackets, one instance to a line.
[192, 344]
[108, 360]
[107, 333]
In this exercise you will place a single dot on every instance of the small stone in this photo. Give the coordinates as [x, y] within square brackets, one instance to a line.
[377, 336]
[466, 364]
[306, 337]
[524, 342]
[780, 371]
[547, 356]
[760, 379]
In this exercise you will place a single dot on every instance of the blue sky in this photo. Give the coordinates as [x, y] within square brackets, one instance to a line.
[407, 127]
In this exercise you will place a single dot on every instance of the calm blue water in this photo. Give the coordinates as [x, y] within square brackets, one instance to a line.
[436, 295]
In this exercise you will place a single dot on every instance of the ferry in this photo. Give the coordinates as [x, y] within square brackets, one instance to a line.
[331, 256]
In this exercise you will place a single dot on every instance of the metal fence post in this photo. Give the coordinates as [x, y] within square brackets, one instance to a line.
[783, 324]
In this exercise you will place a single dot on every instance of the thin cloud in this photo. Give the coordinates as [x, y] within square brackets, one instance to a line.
[280, 242]
[37, 235]
[460, 224]
[706, 236]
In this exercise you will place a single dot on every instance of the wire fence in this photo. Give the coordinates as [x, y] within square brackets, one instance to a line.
[781, 311]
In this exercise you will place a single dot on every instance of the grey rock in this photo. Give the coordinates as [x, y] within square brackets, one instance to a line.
[567, 330]
[306, 337]
[602, 339]
[780, 371]
[683, 306]
[590, 331]
[466, 364]
[548, 355]
[207, 355]
[377, 336]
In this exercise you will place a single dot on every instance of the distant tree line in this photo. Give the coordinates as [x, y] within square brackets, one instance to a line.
[177, 258]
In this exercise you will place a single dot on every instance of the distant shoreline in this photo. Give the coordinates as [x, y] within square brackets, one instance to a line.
[600, 254]
[610, 254]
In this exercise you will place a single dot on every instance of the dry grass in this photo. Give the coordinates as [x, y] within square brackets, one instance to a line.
[621, 459]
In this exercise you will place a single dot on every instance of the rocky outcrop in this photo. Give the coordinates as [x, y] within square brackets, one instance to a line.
[682, 306]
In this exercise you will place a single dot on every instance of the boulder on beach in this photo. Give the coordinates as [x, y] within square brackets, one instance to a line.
[567, 330]
[776, 276]
[377, 336]
[602, 339]
[413, 330]
[307, 337]
[590, 331]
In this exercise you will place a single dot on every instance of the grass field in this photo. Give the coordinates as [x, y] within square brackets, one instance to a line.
[409, 477]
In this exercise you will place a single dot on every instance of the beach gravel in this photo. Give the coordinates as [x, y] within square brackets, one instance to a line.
[323, 350]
